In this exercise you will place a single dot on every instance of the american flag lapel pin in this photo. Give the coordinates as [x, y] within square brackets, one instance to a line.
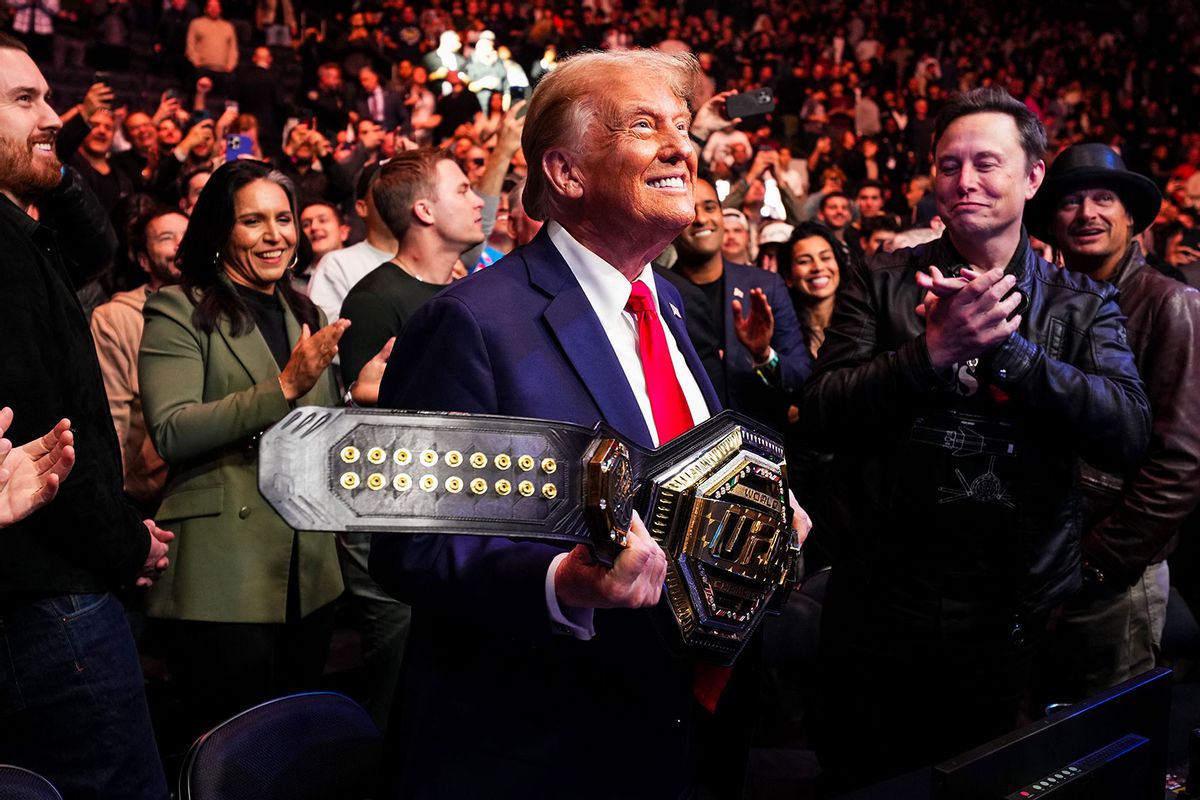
[737, 292]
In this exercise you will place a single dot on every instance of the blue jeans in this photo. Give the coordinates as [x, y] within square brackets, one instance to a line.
[72, 702]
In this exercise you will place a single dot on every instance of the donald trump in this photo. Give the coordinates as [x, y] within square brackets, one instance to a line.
[531, 671]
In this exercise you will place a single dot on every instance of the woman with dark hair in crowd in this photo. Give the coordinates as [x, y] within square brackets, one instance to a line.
[812, 267]
[224, 356]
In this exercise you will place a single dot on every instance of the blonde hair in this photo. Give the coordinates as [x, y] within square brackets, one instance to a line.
[569, 101]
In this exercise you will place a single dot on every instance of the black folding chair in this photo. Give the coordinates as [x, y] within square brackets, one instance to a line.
[312, 746]
[18, 783]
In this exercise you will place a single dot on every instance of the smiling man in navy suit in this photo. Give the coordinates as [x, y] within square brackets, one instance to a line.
[533, 672]
[763, 356]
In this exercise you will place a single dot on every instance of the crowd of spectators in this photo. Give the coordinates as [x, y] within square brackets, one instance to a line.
[840, 167]
[323, 92]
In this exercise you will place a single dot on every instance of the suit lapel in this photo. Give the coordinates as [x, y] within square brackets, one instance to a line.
[679, 331]
[251, 351]
[316, 396]
[583, 340]
[732, 291]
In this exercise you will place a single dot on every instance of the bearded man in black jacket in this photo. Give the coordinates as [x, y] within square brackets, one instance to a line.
[72, 705]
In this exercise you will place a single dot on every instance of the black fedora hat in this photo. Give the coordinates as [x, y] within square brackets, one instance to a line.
[1090, 166]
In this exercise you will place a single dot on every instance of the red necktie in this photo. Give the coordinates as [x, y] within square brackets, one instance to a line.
[667, 404]
[672, 417]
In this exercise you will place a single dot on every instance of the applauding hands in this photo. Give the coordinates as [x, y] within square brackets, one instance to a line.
[31, 473]
[310, 357]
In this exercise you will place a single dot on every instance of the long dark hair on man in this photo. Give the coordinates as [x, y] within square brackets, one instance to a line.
[201, 253]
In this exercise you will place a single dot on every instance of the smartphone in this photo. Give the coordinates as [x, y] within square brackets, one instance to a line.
[174, 94]
[237, 146]
[1191, 238]
[747, 104]
[231, 104]
[517, 92]
[102, 76]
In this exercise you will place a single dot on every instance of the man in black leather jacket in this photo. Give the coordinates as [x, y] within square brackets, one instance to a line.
[958, 386]
[1090, 208]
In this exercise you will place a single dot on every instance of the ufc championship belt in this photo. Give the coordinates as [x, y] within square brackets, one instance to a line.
[715, 498]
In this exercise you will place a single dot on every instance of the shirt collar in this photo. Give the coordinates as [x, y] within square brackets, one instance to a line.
[373, 251]
[1131, 263]
[946, 255]
[607, 290]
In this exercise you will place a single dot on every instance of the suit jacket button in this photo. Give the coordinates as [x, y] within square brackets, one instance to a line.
[243, 512]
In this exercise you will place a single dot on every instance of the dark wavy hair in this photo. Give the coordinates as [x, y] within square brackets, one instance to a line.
[201, 264]
[1030, 131]
[807, 230]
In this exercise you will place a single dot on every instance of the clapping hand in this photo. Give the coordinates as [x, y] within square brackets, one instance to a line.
[756, 330]
[310, 357]
[365, 389]
[968, 316]
[31, 474]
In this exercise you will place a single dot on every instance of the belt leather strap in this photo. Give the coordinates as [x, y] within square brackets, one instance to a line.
[715, 498]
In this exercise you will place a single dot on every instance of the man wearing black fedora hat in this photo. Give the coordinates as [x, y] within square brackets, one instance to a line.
[1091, 208]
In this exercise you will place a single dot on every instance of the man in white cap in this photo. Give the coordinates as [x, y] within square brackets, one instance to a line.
[735, 245]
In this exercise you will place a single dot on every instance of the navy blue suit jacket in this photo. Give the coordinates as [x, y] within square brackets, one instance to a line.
[742, 389]
[795, 362]
[395, 113]
[494, 703]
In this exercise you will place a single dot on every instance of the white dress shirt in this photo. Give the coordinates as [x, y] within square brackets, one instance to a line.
[607, 291]
[375, 104]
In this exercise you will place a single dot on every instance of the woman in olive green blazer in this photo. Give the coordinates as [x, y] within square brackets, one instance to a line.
[224, 356]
